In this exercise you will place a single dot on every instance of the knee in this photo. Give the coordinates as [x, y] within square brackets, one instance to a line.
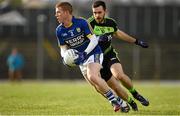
[120, 76]
[92, 78]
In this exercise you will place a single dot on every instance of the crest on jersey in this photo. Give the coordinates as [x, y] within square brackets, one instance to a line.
[78, 30]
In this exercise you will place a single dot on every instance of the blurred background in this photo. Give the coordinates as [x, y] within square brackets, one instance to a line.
[29, 25]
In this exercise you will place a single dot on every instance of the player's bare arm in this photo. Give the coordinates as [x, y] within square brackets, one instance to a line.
[123, 36]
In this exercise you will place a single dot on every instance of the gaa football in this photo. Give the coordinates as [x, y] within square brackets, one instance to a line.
[70, 56]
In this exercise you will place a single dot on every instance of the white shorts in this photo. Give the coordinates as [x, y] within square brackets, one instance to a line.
[95, 58]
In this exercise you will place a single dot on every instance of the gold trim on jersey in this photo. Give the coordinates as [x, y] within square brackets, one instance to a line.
[89, 36]
[69, 25]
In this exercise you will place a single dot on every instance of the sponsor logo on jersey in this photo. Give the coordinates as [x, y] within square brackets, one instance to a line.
[100, 30]
[76, 40]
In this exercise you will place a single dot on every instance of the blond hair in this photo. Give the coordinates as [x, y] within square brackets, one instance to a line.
[66, 6]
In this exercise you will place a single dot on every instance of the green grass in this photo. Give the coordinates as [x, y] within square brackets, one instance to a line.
[79, 98]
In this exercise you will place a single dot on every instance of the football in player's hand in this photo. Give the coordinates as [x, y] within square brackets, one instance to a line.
[70, 56]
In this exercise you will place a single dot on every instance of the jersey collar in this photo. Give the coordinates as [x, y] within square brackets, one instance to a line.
[73, 18]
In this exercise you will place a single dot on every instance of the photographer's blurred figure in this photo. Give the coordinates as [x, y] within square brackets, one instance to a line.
[15, 63]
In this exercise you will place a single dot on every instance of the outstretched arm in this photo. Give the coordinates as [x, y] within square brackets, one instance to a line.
[123, 36]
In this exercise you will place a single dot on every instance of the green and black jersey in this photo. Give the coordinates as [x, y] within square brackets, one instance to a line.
[105, 32]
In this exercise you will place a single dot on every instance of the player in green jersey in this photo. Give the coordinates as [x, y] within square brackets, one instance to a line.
[106, 28]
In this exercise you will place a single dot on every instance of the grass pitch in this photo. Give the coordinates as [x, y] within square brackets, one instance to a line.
[79, 98]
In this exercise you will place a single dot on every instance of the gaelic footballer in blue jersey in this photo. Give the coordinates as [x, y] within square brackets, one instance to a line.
[75, 33]
[78, 36]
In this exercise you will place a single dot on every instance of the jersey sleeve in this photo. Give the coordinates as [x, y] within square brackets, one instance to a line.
[86, 27]
[115, 25]
[59, 38]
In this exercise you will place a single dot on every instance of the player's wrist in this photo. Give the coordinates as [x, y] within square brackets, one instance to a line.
[141, 43]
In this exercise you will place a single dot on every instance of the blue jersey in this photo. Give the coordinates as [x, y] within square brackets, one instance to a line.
[15, 62]
[75, 36]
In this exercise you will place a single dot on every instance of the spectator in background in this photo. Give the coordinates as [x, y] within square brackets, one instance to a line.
[15, 63]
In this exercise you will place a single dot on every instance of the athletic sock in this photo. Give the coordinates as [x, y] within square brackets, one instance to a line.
[133, 91]
[119, 99]
[129, 99]
[110, 96]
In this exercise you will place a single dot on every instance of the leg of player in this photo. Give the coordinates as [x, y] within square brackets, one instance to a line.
[118, 72]
[93, 75]
[118, 89]
[85, 76]
[113, 83]
[124, 106]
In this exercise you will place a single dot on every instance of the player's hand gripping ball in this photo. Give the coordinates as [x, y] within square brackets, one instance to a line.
[70, 56]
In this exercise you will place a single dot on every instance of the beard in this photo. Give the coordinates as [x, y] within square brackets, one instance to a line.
[100, 19]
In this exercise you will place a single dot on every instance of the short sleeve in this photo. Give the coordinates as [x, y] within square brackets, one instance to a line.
[115, 25]
[86, 27]
[59, 38]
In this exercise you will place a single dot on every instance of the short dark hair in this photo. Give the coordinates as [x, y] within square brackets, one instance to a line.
[66, 6]
[99, 3]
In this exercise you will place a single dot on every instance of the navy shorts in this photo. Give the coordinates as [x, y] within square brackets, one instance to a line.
[109, 59]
